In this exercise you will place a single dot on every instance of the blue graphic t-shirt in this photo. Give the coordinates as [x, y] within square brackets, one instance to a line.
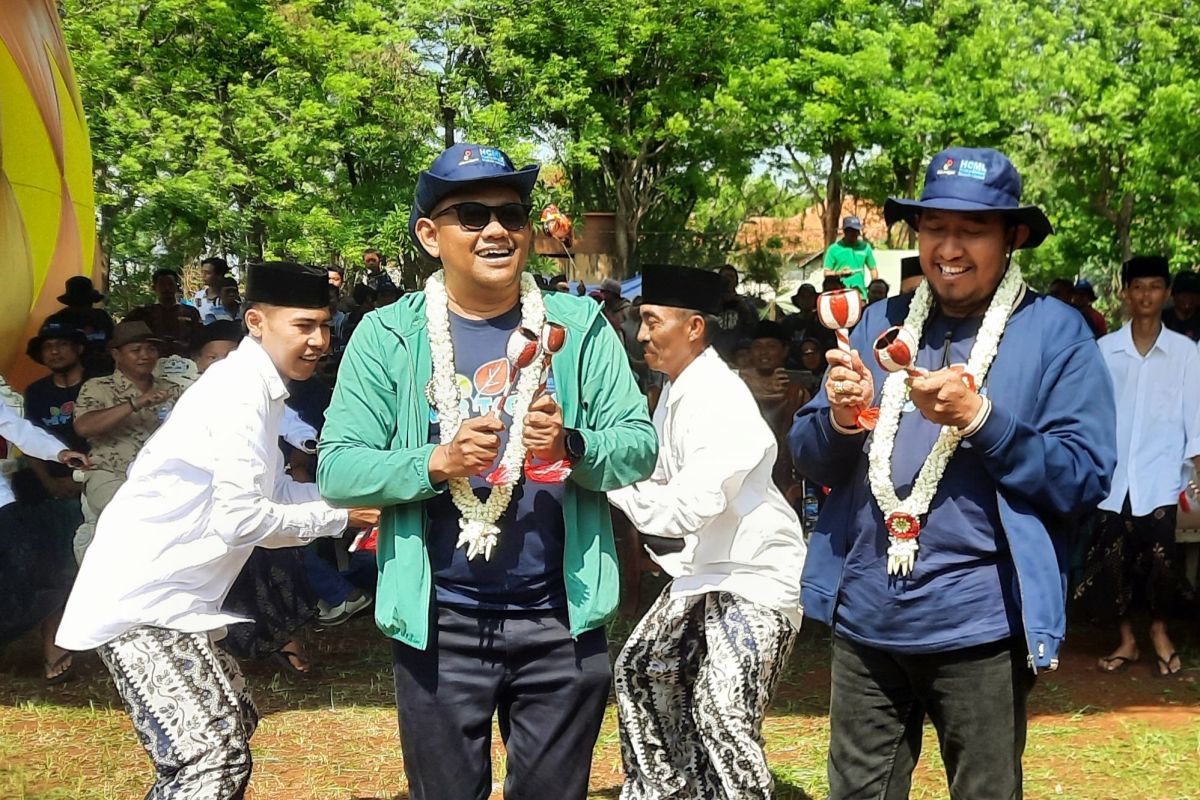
[525, 571]
[52, 408]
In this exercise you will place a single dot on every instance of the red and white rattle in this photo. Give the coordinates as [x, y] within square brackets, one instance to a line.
[840, 310]
[896, 350]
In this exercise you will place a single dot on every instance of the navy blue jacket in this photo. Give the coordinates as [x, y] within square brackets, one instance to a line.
[1049, 449]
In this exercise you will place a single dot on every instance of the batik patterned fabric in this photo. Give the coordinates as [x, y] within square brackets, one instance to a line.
[693, 684]
[1133, 567]
[190, 708]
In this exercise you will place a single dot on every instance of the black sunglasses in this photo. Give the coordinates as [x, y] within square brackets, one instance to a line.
[475, 216]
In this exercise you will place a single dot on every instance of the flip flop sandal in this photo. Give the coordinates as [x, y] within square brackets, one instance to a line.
[1163, 668]
[285, 658]
[1121, 664]
[59, 677]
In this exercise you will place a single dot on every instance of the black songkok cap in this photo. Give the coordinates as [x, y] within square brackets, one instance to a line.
[682, 287]
[222, 330]
[1187, 281]
[1145, 267]
[282, 283]
[910, 267]
[769, 329]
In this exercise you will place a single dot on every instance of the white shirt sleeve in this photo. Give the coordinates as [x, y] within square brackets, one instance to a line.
[296, 432]
[32, 440]
[244, 486]
[1191, 406]
[719, 453]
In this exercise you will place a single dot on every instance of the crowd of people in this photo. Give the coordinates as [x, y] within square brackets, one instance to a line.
[207, 477]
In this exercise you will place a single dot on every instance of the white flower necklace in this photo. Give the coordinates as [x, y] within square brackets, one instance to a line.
[479, 532]
[903, 516]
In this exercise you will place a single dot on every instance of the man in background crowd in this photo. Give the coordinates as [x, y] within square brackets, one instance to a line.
[377, 276]
[910, 274]
[1133, 565]
[230, 305]
[777, 395]
[80, 298]
[50, 401]
[1082, 298]
[117, 414]
[212, 274]
[1184, 314]
[851, 258]
[804, 325]
[171, 322]
[615, 306]
[737, 319]
[878, 290]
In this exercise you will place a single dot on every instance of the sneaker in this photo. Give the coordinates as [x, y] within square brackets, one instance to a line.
[332, 616]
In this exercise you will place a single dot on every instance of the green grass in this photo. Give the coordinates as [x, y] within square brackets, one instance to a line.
[1091, 737]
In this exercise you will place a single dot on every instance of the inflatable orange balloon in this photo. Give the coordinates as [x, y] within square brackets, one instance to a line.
[47, 206]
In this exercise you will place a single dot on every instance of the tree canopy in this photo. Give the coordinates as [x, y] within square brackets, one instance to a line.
[256, 128]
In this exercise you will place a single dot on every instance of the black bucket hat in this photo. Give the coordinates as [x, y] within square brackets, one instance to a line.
[79, 291]
[972, 179]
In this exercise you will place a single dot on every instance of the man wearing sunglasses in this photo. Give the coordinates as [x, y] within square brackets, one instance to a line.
[516, 631]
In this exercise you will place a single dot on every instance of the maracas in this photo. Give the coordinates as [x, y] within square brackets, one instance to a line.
[554, 336]
[840, 310]
[896, 349]
[524, 346]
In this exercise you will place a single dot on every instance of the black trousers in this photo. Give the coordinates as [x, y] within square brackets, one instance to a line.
[975, 698]
[548, 689]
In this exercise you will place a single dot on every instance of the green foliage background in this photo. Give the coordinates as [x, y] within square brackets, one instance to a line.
[256, 128]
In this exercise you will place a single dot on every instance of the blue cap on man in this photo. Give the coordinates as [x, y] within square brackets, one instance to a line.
[460, 166]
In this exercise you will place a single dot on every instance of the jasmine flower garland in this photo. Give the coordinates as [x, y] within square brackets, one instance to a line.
[903, 516]
[479, 532]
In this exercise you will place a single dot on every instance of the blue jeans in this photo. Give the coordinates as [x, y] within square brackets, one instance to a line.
[548, 689]
[975, 698]
[332, 586]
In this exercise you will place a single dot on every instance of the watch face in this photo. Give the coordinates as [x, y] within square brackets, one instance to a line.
[573, 443]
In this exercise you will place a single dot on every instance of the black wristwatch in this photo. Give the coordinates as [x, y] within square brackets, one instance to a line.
[574, 444]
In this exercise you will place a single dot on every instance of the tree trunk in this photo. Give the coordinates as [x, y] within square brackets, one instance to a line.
[833, 191]
[1124, 225]
[449, 118]
[624, 233]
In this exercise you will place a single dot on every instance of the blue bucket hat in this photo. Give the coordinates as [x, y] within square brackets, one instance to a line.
[53, 330]
[459, 167]
[972, 179]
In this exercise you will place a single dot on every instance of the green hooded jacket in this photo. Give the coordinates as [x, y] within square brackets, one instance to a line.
[375, 451]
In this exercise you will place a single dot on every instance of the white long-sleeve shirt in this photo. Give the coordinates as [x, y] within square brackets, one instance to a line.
[30, 439]
[205, 490]
[1158, 418]
[712, 486]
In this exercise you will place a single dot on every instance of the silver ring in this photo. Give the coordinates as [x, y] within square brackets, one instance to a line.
[839, 387]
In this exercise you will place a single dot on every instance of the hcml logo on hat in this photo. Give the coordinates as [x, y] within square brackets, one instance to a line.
[973, 169]
[490, 155]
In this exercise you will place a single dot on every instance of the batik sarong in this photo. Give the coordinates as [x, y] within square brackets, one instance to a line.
[190, 708]
[693, 684]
